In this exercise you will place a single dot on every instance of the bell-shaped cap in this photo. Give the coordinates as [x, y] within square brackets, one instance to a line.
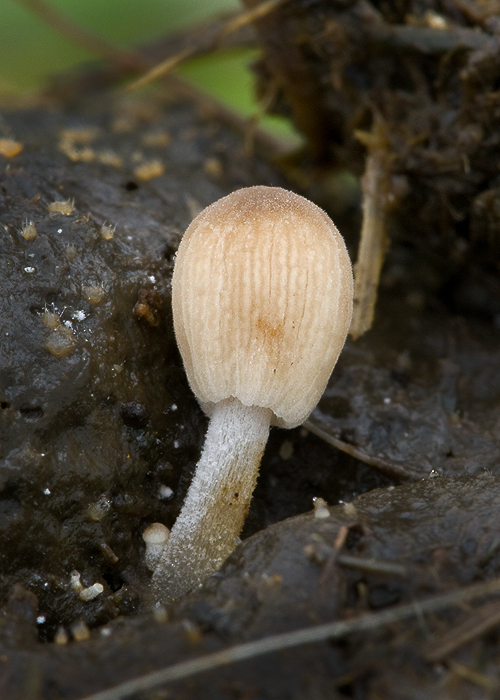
[262, 301]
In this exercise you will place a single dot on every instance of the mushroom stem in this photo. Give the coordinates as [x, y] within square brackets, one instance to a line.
[217, 501]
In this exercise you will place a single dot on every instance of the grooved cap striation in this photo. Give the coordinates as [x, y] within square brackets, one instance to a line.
[262, 301]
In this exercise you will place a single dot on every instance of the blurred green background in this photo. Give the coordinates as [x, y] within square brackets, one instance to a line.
[31, 51]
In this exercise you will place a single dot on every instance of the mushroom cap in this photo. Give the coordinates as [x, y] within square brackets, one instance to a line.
[155, 534]
[262, 295]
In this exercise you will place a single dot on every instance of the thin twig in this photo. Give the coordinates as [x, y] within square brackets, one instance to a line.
[251, 15]
[330, 562]
[478, 622]
[373, 566]
[430, 41]
[400, 472]
[468, 674]
[162, 69]
[232, 25]
[308, 635]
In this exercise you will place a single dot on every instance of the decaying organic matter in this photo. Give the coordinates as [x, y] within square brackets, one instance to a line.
[99, 431]
[389, 605]
[90, 410]
[428, 74]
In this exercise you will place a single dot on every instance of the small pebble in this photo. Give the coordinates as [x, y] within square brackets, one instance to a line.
[60, 343]
[50, 320]
[213, 166]
[350, 509]
[94, 294]
[91, 592]
[10, 148]
[107, 232]
[98, 510]
[155, 537]
[160, 613]
[156, 139]
[80, 631]
[61, 636]
[320, 508]
[165, 493]
[66, 207]
[111, 158]
[28, 231]
[149, 170]
[286, 450]
[74, 578]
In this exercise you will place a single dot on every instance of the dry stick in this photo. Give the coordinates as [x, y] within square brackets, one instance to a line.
[373, 243]
[373, 566]
[430, 41]
[468, 674]
[161, 69]
[308, 635]
[400, 472]
[232, 25]
[478, 622]
[332, 559]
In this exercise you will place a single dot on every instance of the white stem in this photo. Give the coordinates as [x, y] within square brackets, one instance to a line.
[217, 501]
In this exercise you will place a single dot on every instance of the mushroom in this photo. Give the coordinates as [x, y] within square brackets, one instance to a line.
[155, 538]
[262, 301]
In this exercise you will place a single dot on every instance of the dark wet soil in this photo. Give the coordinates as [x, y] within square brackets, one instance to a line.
[99, 434]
